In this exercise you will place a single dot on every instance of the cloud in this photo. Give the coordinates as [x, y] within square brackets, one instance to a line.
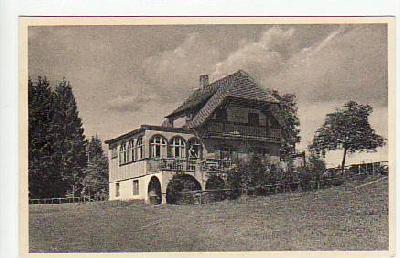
[324, 71]
[260, 58]
[351, 63]
[173, 73]
[344, 62]
[130, 103]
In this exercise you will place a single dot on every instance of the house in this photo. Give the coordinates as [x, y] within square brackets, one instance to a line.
[219, 123]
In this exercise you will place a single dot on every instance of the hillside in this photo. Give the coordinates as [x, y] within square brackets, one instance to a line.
[340, 218]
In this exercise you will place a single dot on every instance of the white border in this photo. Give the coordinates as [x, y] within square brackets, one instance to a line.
[11, 9]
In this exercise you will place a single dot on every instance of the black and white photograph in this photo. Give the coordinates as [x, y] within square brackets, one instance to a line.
[201, 136]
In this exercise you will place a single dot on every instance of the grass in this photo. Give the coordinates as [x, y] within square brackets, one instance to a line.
[339, 218]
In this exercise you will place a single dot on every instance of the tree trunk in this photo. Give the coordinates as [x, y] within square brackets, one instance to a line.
[344, 160]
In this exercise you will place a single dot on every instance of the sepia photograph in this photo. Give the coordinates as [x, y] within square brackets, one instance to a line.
[207, 134]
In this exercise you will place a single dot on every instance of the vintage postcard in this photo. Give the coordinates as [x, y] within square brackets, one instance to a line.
[199, 136]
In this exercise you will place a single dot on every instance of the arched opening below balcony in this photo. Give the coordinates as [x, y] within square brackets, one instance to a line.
[182, 189]
[215, 189]
[154, 191]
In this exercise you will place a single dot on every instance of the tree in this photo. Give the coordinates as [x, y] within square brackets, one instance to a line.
[57, 154]
[44, 179]
[69, 139]
[95, 181]
[287, 113]
[348, 129]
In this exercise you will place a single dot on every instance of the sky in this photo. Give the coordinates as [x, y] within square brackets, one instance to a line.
[125, 76]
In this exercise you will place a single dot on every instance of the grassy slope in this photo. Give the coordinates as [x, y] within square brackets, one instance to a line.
[332, 219]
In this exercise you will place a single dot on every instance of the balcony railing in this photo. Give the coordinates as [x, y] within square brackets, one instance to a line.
[243, 131]
[189, 165]
[216, 165]
[173, 164]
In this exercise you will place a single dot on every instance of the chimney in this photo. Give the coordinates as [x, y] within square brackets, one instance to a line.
[203, 81]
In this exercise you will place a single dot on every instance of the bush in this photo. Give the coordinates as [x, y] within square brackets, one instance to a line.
[181, 189]
[305, 179]
[234, 182]
[216, 184]
[317, 168]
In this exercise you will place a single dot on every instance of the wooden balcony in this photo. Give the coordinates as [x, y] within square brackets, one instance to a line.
[189, 165]
[216, 165]
[173, 164]
[229, 130]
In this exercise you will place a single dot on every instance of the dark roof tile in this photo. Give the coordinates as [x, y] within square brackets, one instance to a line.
[239, 85]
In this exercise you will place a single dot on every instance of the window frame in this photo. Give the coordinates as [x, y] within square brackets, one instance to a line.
[135, 187]
[191, 143]
[114, 152]
[177, 145]
[122, 154]
[139, 153]
[158, 147]
[130, 150]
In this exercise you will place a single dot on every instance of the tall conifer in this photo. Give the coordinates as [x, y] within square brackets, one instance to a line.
[69, 142]
[95, 182]
[44, 179]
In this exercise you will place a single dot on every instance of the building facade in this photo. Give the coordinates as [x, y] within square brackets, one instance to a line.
[220, 123]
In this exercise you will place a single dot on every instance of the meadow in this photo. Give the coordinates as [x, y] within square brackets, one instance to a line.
[353, 216]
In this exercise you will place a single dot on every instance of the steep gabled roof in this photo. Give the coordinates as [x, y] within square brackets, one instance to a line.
[200, 96]
[239, 85]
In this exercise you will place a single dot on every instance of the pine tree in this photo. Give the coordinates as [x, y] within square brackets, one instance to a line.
[95, 181]
[44, 180]
[69, 139]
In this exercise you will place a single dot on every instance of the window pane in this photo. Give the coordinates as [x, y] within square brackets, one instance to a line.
[158, 151]
[117, 189]
[135, 187]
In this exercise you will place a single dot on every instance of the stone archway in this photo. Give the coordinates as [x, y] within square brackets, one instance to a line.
[154, 191]
[178, 187]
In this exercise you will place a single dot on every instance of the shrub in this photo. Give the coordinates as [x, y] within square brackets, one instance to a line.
[215, 182]
[317, 168]
[234, 182]
[305, 179]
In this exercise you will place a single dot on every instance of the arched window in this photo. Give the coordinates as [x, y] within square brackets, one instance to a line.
[178, 147]
[122, 153]
[130, 150]
[139, 149]
[158, 147]
[194, 148]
